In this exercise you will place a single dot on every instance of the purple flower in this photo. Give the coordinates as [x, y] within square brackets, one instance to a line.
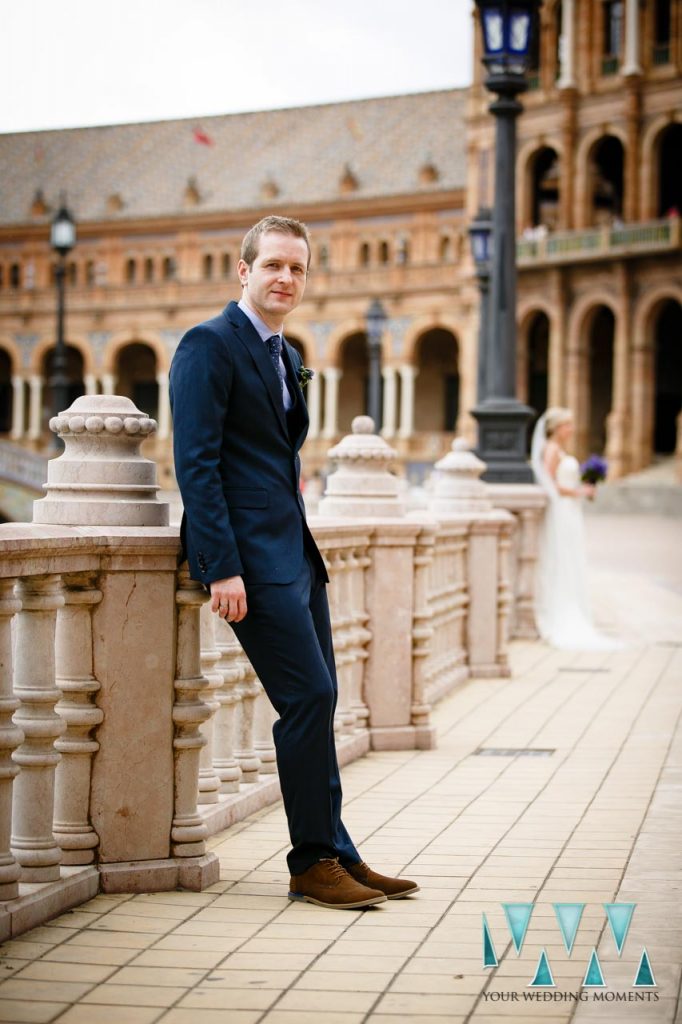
[594, 470]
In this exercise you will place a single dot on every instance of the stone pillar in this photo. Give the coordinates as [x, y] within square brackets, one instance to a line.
[232, 671]
[361, 485]
[422, 636]
[567, 46]
[527, 503]
[108, 384]
[631, 64]
[189, 833]
[73, 653]
[332, 376]
[90, 382]
[313, 394]
[209, 782]
[164, 406]
[390, 401]
[33, 843]
[10, 738]
[642, 387]
[17, 408]
[407, 376]
[576, 394]
[35, 413]
[245, 753]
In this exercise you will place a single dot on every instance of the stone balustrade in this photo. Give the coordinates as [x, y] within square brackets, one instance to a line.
[132, 727]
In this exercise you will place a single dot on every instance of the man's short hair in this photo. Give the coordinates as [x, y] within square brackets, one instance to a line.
[284, 225]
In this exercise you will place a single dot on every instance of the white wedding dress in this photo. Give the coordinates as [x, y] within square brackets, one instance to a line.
[562, 600]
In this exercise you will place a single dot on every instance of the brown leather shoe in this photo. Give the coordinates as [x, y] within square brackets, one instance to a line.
[327, 884]
[394, 888]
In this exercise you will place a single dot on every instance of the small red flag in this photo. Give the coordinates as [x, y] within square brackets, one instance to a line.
[202, 137]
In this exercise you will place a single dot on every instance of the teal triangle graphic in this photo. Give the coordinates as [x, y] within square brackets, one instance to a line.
[568, 915]
[543, 974]
[489, 955]
[593, 975]
[518, 918]
[620, 916]
[645, 975]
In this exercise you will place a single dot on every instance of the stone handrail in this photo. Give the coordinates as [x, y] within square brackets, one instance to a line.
[600, 243]
[23, 467]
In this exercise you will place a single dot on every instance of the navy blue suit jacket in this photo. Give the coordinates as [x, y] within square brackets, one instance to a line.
[236, 454]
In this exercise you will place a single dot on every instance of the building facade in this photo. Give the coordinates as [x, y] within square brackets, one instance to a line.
[388, 188]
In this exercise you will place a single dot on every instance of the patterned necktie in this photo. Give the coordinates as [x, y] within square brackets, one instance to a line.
[275, 348]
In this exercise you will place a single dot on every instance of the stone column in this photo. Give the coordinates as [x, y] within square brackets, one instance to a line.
[618, 418]
[108, 384]
[189, 833]
[390, 401]
[164, 406]
[642, 388]
[567, 46]
[332, 376]
[230, 666]
[35, 414]
[246, 752]
[209, 782]
[17, 408]
[73, 652]
[407, 376]
[33, 843]
[422, 637]
[314, 400]
[90, 381]
[10, 738]
[631, 64]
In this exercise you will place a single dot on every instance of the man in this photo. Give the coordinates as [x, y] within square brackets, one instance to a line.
[239, 422]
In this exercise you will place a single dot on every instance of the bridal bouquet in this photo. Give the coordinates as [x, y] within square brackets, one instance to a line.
[594, 470]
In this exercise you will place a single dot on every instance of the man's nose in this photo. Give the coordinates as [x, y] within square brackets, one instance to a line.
[285, 273]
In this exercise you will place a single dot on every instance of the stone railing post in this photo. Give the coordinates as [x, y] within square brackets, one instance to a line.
[78, 686]
[209, 781]
[422, 637]
[230, 666]
[189, 832]
[527, 503]
[10, 738]
[33, 843]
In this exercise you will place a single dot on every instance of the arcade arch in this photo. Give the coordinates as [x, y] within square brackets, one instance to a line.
[437, 384]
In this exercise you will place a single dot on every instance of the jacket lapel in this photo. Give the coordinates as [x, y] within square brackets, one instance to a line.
[250, 339]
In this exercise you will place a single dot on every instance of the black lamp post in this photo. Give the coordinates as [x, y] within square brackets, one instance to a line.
[62, 240]
[502, 419]
[480, 232]
[376, 321]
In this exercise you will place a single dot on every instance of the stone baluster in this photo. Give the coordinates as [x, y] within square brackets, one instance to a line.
[422, 637]
[344, 718]
[32, 842]
[528, 521]
[246, 752]
[362, 635]
[504, 595]
[265, 717]
[189, 831]
[231, 669]
[78, 686]
[10, 738]
[209, 780]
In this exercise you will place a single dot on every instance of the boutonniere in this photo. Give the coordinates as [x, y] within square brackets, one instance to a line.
[305, 374]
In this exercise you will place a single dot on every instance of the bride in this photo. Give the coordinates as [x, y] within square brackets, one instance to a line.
[562, 603]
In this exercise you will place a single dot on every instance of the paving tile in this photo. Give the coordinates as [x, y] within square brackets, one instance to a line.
[213, 998]
[178, 958]
[194, 1016]
[223, 978]
[183, 977]
[89, 1013]
[342, 981]
[90, 955]
[44, 991]
[133, 995]
[112, 940]
[311, 1017]
[330, 999]
[52, 970]
[15, 1012]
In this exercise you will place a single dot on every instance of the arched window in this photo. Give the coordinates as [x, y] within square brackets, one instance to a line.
[607, 179]
[533, 76]
[600, 363]
[612, 35]
[169, 268]
[136, 377]
[149, 270]
[445, 249]
[662, 31]
[669, 170]
[15, 276]
[364, 254]
[667, 376]
[225, 264]
[131, 271]
[436, 397]
[6, 393]
[545, 188]
[72, 273]
[384, 252]
[74, 373]
[323, 257]
[207, 266]
[90, 273]
[403, 251]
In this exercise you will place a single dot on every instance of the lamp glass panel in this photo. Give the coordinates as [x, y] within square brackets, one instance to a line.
[519, 33]
[63, 234]
[493, 30]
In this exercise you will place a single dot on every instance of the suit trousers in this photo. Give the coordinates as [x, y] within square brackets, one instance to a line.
[287, 637]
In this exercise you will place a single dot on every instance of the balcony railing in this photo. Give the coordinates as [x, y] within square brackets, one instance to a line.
[629, 240]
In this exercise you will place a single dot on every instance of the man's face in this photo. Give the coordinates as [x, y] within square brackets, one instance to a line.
[274, 285]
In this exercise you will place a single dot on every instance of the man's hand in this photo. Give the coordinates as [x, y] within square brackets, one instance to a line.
[228, 598]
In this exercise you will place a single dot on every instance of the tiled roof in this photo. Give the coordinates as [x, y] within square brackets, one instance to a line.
[366, 148]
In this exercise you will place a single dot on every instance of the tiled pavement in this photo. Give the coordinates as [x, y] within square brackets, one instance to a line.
[595, 817]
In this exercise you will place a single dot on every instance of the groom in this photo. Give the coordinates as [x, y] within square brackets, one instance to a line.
[239, 421]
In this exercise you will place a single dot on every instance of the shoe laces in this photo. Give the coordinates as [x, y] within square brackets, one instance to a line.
[336, 871]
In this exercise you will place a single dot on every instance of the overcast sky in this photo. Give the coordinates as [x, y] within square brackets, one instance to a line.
[65, 63]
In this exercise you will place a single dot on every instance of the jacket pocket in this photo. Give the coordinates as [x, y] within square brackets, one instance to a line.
[237, 497]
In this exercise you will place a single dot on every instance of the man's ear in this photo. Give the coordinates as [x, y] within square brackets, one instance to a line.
[243, 272]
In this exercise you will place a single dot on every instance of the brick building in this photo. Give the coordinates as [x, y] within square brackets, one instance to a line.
[388, 187]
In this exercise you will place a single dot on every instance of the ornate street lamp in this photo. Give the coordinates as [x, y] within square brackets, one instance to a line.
[62, 240]
[376, 321]
[502, 420]
[480, 232]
